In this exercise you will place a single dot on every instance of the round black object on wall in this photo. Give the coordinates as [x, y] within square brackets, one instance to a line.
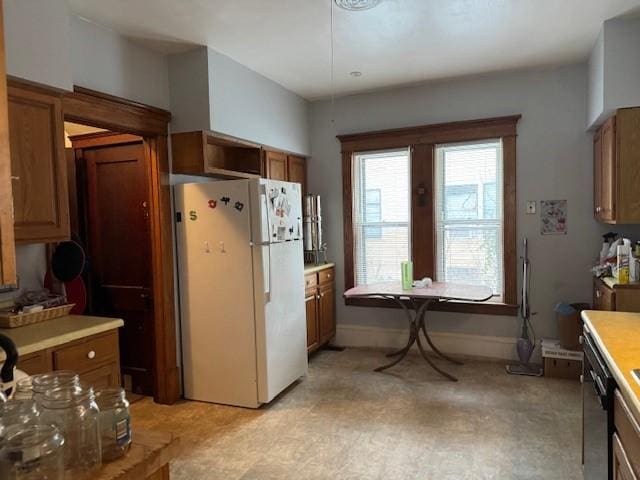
[68, 261]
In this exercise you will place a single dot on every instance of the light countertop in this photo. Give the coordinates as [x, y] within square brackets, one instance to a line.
[617, 335]
[311, 268]
[51, 333]
[612, 282]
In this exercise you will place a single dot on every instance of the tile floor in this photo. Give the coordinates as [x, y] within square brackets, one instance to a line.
[347, 422]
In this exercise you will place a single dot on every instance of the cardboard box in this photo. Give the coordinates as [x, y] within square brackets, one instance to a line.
[562, 368]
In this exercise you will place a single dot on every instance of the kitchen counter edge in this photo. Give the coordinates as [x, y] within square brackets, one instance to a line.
[310, 268]
[58, 331]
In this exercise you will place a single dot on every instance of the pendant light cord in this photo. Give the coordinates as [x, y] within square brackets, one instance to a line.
[332, 63]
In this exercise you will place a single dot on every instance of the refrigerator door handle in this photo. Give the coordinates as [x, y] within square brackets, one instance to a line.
[266, 258]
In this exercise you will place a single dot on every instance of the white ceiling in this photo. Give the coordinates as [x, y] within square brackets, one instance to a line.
[399, 42]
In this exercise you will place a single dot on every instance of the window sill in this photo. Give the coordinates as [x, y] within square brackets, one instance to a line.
[482, 308]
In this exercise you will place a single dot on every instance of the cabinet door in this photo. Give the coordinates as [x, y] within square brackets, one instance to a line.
[105, 376]
[296, 171]
[608, 171]
[38, 166]
[597, 174]
[604, 298]
[311, 305]
[327, 312]
[621, 467]
[7, 244]
[276, 163]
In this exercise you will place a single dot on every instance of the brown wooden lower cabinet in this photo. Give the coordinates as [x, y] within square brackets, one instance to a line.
[320, 307]
[626, 441]
[621, 467]
[94, 358]
[620, 298]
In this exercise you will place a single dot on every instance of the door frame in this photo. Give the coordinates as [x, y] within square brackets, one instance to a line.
[117, 114]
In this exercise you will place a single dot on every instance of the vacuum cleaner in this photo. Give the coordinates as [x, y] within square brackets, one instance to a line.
[527, 342]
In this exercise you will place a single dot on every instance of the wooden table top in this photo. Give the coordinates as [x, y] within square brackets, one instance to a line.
[437, 291]
[149, 452]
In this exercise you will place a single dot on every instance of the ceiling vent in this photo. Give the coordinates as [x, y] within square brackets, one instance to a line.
[357, 5]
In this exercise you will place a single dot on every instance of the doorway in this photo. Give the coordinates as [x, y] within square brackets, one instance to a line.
[148, 354]
[108, 176]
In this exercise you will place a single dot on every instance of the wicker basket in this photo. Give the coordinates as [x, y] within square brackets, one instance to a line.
[14, 320]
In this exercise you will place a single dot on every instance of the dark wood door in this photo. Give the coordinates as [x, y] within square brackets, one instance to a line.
[119, 240]
[327, 312]
[608, 169]
[311, 305]
[276, 163]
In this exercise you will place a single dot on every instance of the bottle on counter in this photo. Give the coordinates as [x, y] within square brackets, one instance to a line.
[623, 258]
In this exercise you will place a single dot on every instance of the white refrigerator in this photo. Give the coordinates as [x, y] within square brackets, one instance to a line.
[241, 274]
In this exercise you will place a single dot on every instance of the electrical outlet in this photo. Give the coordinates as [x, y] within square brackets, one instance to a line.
[531, 206]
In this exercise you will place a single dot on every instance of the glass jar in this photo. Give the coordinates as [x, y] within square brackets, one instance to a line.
[17, 413]
[72, 408]
[23, 389]
[32, 452]
[47, 381]
[115, 422]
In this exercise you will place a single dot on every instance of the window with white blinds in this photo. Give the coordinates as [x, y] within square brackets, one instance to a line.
[469, 214]
[381, 215]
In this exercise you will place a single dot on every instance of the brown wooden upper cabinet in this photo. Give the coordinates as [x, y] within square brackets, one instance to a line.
[275, 165]
[7, 244]
[289, 168]
[213, 154]
[38, 165]
[616, 154]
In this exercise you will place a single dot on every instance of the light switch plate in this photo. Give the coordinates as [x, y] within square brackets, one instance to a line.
[531, 206]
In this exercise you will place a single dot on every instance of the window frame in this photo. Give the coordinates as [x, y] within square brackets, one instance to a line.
[421, 141]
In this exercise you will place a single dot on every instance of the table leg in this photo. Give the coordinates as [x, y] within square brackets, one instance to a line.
[414, 332]
[433, 365]
[423, 327]
[404, 350]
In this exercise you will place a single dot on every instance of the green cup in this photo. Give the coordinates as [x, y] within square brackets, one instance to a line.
[406, 269]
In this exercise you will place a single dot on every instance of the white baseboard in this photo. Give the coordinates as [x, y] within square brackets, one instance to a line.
[503, 348]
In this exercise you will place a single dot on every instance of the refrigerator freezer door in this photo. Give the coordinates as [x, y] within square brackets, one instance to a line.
[281, 209]
[216, 291]
[281, 327]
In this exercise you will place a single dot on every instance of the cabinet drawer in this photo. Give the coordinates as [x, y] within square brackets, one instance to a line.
[88, 354]
[628, 431]
[310, 280]
[326, 276]
[34, 363]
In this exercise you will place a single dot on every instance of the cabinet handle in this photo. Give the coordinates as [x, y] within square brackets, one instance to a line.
[91, 355]
[598, 209]
[598, 293]
[317, 297]
[13, 177]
